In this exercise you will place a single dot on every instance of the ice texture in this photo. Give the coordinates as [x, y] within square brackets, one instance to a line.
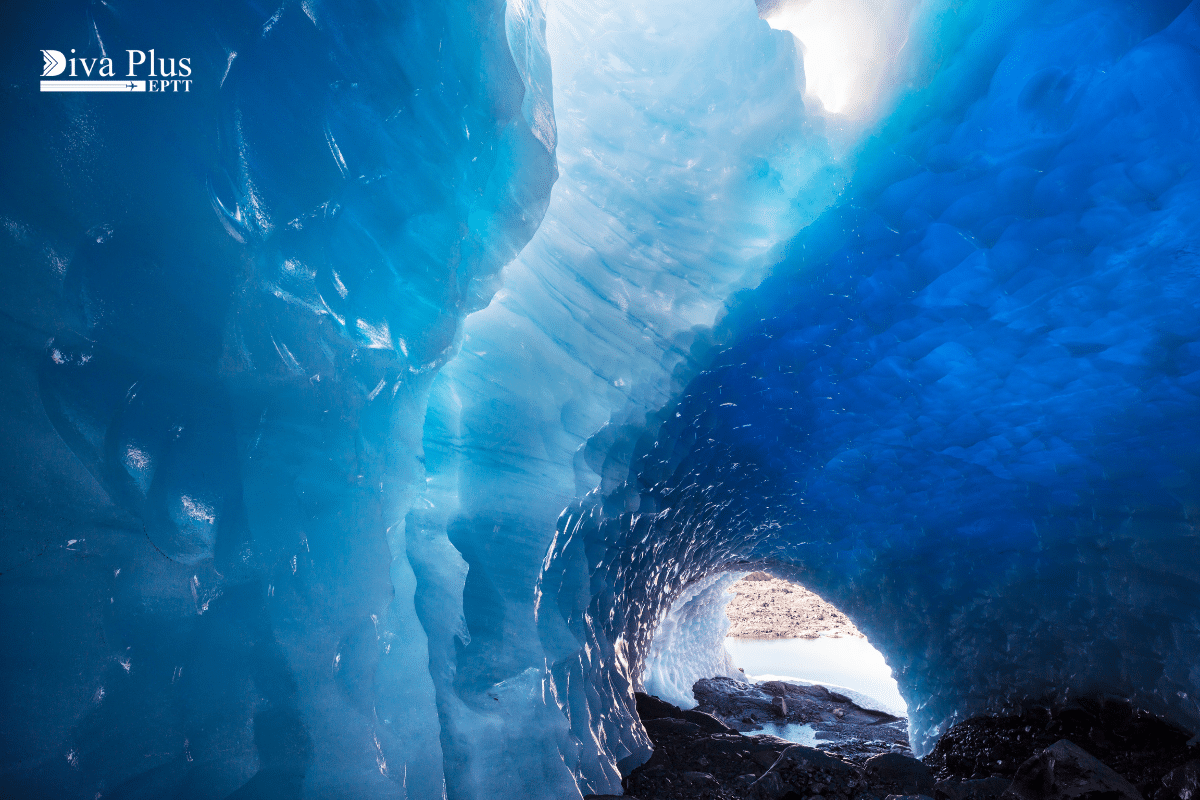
[689, 642]
[963, 407]
[222, 312]
[685, 159]
[282, 521]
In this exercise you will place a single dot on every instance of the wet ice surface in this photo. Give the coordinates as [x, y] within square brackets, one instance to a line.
[842, 664]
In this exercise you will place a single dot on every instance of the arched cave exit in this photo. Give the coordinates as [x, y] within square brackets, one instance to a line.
[767, 656]
[779, 630]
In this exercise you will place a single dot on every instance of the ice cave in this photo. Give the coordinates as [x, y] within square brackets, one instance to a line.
[389, 401]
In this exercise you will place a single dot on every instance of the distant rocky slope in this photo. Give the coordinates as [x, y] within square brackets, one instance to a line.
[770, 608]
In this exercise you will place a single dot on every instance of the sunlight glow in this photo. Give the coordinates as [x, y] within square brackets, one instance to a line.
[851, 48]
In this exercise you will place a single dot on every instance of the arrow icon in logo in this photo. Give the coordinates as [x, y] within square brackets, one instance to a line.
[53, 63]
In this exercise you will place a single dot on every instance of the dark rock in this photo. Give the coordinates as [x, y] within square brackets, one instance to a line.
[701, 760]
[822, 693]
[900, 774]
[808, 771]
[667, 725]
[609, 797]
[700, 779]
[1137, 745]
[1181, 783]
[697, 758]
[768, 787]
[845, 729]
[811, 759]
[707, 722]
[651, 707]
[732, 701]
[1064, 771]
[980, 789]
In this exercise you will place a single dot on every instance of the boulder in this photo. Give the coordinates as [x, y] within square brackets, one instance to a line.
[900, 774]
[1181, 783]
[670, 727]
[701, 779]
[1065, 771]
[769, 787]
[707, 722]
[810, 759]
[807, 771]
[651, 707]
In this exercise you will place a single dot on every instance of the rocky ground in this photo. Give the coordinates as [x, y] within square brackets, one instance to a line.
[841, 726]
[1140, 747]
[1092, 751]
[1102, 750]
[769, 608]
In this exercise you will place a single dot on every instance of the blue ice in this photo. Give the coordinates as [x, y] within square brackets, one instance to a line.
[368, 409]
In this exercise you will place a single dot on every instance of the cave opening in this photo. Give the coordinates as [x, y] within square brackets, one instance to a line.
[765, 655]
[782, 631]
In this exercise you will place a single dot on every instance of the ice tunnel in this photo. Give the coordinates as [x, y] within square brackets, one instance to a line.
[375, 393]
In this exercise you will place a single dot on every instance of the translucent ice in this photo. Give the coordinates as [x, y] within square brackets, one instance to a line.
[963, 407]
[279, 523]
[689, 642]
[222, 312]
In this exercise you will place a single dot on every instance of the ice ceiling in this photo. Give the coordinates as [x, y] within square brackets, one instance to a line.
[852, 49]
[367, 408]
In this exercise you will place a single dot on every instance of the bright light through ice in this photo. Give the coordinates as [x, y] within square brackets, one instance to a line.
[851, 48]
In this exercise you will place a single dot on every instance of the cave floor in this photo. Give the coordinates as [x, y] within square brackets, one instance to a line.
[1109, 751]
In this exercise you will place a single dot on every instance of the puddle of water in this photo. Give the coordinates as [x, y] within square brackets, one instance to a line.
[849, 663]
[800, 734]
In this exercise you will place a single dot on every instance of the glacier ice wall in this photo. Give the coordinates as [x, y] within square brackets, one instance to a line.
[222, 313]
[963, 406]
[689, 642]
[685, 158]
[269, 532]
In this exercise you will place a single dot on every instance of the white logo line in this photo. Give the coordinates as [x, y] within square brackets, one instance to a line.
[93, 86]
